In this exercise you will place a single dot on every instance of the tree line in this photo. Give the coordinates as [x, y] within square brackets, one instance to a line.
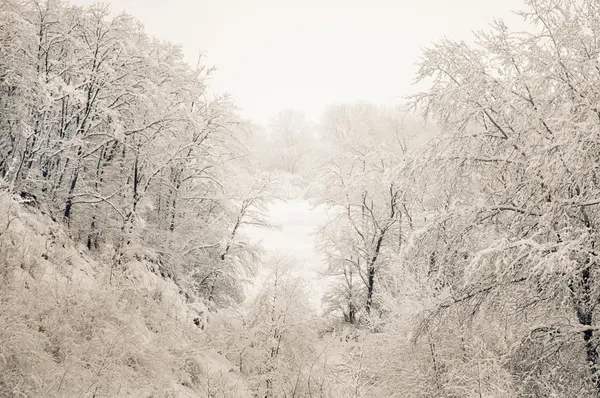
[461, 251]
[111, 132]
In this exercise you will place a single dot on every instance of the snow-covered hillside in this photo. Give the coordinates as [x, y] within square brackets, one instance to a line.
[71, 326]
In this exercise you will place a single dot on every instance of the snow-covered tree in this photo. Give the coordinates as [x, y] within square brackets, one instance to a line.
[116, 135]
[273, 342]
[290, 137]
[363, 184]
[518, 233]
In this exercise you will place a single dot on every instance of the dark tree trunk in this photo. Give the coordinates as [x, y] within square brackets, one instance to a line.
[351, 314]
[371, 271]
[69, 202]
[370, 287]
[92, 240]
[73, 185]
[174, 206]
[584, 306]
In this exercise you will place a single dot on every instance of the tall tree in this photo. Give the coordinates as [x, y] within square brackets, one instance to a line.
[361, 183]
[121, 139]
[521, 130]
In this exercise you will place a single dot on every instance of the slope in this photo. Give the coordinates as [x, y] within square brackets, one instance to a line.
[73, 326]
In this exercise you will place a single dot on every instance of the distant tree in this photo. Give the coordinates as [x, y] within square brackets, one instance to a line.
[273, 342]
[362, 184]
[291, 136]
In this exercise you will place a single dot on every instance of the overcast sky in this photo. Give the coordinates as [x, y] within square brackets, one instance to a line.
[305, 54]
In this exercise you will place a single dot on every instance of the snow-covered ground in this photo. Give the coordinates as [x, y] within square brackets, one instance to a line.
[298, 221]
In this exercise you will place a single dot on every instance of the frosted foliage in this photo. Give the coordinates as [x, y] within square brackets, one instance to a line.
[66, 332]
[153, 243]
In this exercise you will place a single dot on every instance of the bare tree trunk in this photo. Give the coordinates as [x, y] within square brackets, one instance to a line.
[351, 313]
[370, 287]
[584, 306]
[371, 271]
[72, 186]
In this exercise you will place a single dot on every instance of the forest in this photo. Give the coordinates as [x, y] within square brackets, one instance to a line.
[458, 248]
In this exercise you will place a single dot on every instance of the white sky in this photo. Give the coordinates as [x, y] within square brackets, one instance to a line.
[305, 54]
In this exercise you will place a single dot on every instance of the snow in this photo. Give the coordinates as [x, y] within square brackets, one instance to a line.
[297, 221]
[138, 326]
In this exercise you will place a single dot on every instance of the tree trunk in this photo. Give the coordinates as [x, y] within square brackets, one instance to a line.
[174, 206]
[69, 202]
[371, 271]
[370, 286]
[584, 306]
[351, 314]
